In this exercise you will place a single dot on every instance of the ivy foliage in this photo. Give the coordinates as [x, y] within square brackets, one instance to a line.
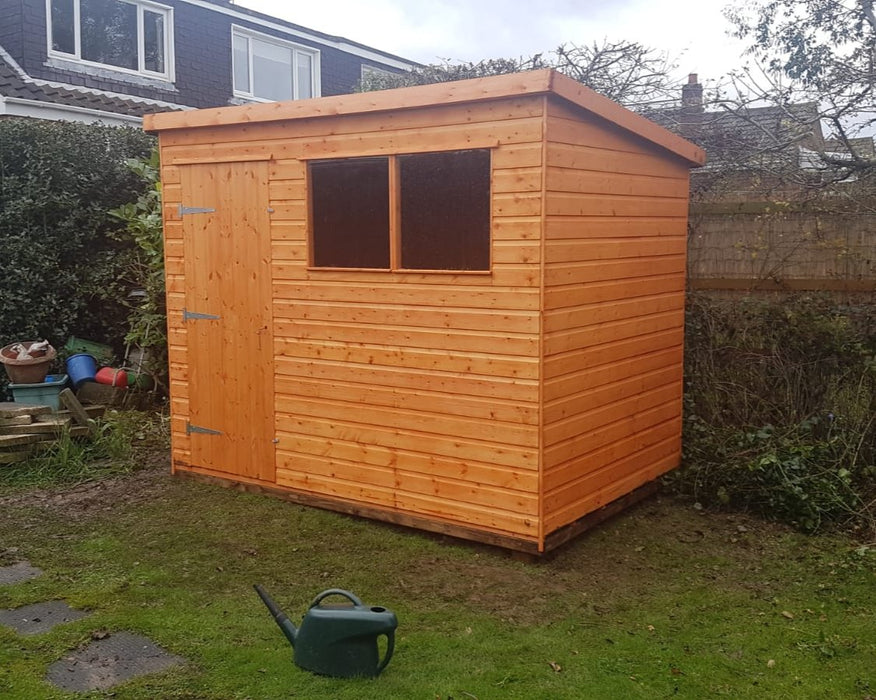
[62, 263]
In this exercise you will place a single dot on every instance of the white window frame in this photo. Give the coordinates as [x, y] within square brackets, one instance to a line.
[169, 72]
[249, 34]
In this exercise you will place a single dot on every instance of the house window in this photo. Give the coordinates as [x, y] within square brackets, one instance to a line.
[270, 69]
[122, 34]
[426, 211]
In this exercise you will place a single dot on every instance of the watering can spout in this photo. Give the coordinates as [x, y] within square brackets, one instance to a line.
[280, 618]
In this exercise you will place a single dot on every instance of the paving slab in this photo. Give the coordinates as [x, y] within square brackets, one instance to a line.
[40, 617]
[18, 572]
[107, 662]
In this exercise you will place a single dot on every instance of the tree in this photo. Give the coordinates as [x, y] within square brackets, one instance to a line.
[820, 51]
[624, 71]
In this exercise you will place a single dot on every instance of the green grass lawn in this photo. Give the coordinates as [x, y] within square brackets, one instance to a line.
[662, 601]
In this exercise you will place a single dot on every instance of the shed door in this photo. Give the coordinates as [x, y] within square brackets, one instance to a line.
[228, 317]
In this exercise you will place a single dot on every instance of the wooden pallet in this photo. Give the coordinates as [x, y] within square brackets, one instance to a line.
[27, 427]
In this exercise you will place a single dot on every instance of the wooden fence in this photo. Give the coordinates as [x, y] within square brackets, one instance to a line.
[769, 248]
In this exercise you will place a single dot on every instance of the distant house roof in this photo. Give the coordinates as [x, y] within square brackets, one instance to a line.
[864, 147]
[770, 136]
[20, 94]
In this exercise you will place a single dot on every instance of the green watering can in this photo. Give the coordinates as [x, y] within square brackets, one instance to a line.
[338, 640]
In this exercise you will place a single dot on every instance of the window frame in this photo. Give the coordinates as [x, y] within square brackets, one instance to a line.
[395, 223]
[169, 74]
[249, 35]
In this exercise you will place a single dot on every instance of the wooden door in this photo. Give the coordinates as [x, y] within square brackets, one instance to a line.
[226, 229]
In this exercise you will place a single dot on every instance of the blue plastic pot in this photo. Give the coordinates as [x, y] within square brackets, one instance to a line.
[81, 368]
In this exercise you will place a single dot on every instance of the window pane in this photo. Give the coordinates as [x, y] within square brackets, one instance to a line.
[63, 37]
[350, 204]
[305, 76]
[109, 32]
[153, 41]
[272, 71]
[241, 64]
[445, 210]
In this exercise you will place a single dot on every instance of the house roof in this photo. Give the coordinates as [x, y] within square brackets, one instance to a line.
[737, 136]
[17, 86]
[538, 82]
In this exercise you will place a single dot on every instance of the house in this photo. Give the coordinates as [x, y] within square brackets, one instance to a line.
[116, 60]
[456, 306]
[778, 206]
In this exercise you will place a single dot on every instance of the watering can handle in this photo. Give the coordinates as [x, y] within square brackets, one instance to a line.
[390, 645]
[335, 591]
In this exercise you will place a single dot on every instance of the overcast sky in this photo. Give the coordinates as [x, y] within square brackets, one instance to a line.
[694, 32]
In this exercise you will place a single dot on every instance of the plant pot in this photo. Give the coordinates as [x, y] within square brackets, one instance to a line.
[30, 371]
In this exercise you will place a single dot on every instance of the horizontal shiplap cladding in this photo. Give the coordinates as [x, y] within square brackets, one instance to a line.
[614, 253]
[466, 490]
[177, 350]
[449, 507]
[415, 391]
[609, 483]
[371, 134]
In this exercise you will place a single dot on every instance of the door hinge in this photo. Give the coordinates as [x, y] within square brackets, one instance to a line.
[197, 316]
[201, 431]
[183, 210]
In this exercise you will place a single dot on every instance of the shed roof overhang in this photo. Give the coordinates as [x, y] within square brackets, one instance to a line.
[538, 82]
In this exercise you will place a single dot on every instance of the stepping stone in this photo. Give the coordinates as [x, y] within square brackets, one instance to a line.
[18, 572]
[41, 617]
[110, 661]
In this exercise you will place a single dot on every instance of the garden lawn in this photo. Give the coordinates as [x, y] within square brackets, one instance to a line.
[662, 601]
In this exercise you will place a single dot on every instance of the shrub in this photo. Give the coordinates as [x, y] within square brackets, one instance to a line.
[780, 408]
[61, 267]
[148, 316]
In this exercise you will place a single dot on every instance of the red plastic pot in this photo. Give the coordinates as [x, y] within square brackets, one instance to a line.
[111, 377]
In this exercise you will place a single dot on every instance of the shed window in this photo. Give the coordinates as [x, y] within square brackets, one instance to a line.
[131, 36]
[427, 211]
[267, 68]
[350, 210]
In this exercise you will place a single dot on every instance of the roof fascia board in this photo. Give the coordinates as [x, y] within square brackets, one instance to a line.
[476, 90]
[334, 42]
[19, 107]
[538, 82]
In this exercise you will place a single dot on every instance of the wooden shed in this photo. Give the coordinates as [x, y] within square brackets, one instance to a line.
[457, 307]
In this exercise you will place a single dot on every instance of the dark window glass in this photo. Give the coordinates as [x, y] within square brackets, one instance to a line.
[63, 36]
[350, 209]
[445, 210]
[109, 32]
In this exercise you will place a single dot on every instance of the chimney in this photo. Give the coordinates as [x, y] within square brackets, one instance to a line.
[691, 117]
[692, 94]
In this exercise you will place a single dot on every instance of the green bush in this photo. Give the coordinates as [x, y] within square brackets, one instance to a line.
[62, 267]
[780, 408]
[147, 320]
